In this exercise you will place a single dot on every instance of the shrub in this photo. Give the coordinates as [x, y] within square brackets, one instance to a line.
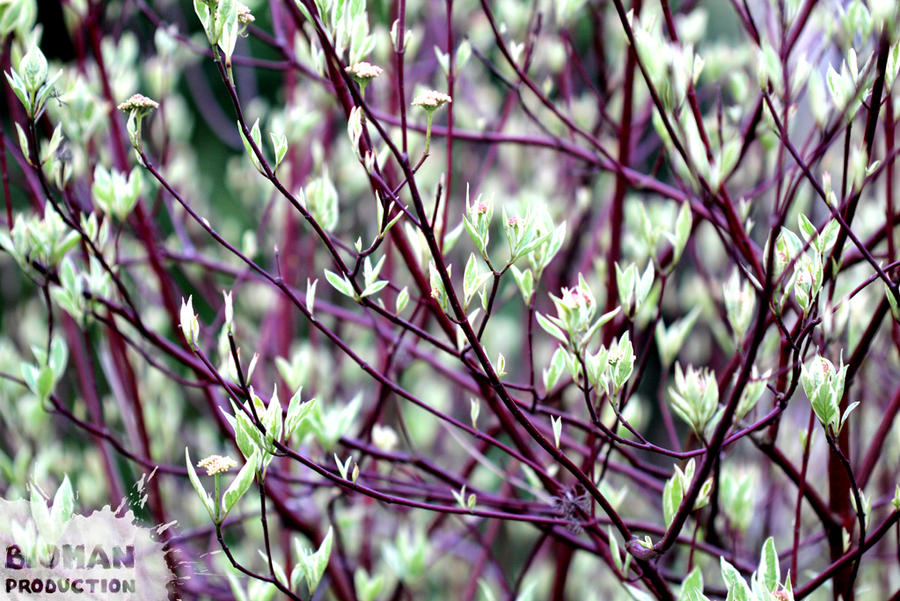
[461, 300]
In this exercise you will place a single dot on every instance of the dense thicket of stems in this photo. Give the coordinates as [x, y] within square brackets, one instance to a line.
[545, 300]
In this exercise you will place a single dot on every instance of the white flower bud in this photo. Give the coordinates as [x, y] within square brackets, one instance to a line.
[216, 464]
[190, 326]
[229, 311]
[384, 437]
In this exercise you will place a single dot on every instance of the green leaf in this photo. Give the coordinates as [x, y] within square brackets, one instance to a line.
[311, 295]
[23, 143]
[254, 131]
[279, 147]
[614, 550]
[486, 591]
[259, 590]
[246, 434]
[236, 588]
[341, 284]
[828, 236]
[18, 16]
[322, 200]
[402, 300]
[637, 594]
[524, 281]
[45, 383]
[240, 485]
[846, 414]
[480, 243]
[63, 505]
[556, 422]
[672, 495]
[451, 237]
[703, 495]
[314, 564]
[892, 301]
[460, 496]
[204, 15]
[272, 419]
[195, 482]
[734, 582]
[770, 69]
[550, 328]
[527, 592]
[279, 573]
[302, 9]
[297, 413]
[30, 374]
[470, 275]
[769, 571]
[328, 428]
[625, 280]
[474, 281]
[443, 60]
[21, 92]
[343, 466]
[370, 273]
[809, 230]
[374, 288]
[252, 155]
[555, 370]
[41, 515]
[643, 285]
[367, 587]
[602, 320]
[532, 245]
[59, 355]
[463, 52]
[692, 587]
[669, 341]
